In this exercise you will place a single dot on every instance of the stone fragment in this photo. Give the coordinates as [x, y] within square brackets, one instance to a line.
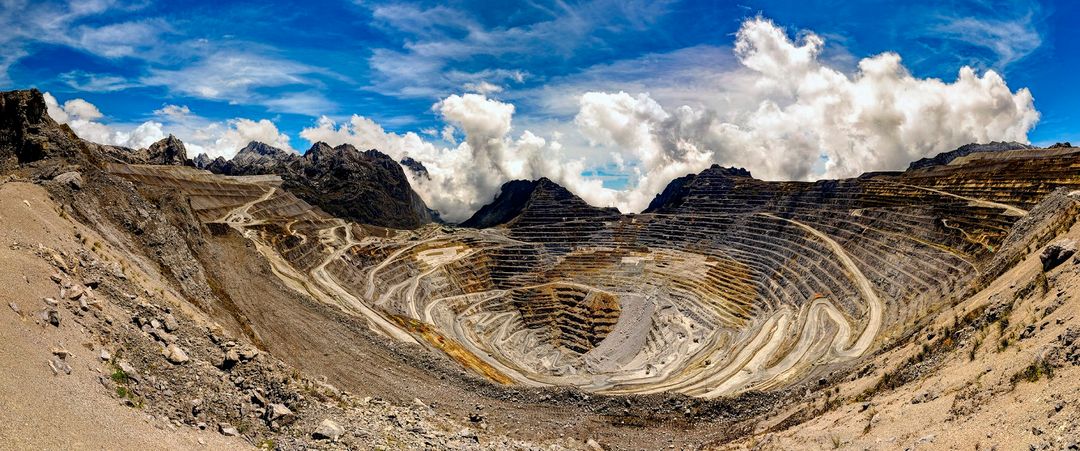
[248, 352]
[176, 355]
[328, 430]
[14, 307]
[105, 356]
[230, 359]
[129, 370]
[72, 179]
[74, 293]
[170, 323]
[58, 365]
[280, 414]
[1057, 253]
[228, 430]
[54, 316]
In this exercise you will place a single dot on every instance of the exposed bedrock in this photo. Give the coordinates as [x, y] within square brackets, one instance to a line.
[363, 186]
[726, 284]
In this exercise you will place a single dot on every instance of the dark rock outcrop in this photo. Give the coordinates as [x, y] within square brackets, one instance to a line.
[1057, 253]
[967, 149]
[168, 151]
[534, 202]
[367, 187]
[416, 167]
[27, 133]
[677, 192]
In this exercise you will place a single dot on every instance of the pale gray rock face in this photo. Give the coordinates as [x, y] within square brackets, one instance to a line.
[72, 179]
[328, 430]
[176, 354]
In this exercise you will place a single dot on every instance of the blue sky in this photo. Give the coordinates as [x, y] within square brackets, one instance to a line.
[396, 62]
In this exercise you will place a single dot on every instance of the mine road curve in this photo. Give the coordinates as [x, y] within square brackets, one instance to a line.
[874, 304]
[239, 218]
[323, 277]
[1009, 209]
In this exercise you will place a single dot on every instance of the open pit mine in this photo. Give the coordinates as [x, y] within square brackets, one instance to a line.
[724, 284]
[731, 310]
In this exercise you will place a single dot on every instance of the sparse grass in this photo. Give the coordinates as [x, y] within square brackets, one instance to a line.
[1033, 372]
[119, 376]
[267, 444]
[836, 442]
[869, 421]
[1003, 344]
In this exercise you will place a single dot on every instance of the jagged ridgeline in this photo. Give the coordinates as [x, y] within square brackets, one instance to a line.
[725, 284]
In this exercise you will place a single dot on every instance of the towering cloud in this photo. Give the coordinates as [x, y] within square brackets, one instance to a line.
[789, 116]
[798, 118]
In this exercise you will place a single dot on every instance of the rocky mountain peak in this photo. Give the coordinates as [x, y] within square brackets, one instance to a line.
[263, 149]
[416, 167]
[535, 201]
[675, 193]
[168, 151]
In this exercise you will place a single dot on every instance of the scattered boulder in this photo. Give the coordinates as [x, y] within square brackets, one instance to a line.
[248, 352]
[328, 430]
[105, 356]
[228, 430]
[72, 179]
[170, 323]
[129, 371]
[14, 307]
[280, 414]
[59, 365]
[229, 360]
[176, 355]
[53, 316]
[1056, 253]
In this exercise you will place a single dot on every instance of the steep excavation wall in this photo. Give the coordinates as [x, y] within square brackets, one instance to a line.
[727, 283]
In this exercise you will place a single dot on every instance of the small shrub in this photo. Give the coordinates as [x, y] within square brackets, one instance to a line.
[1033, 372]
[119, 376]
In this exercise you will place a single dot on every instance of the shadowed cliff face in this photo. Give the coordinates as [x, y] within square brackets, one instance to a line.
[366, 187]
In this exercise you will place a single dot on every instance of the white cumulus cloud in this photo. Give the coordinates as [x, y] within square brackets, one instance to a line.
[214, 138]
[798, 118]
